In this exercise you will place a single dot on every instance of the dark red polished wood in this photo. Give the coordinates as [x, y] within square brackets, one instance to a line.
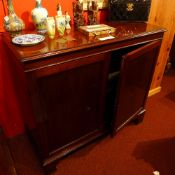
[70, 98]
[77, 41]
[69, 82]
[172, 54]
[137, 69]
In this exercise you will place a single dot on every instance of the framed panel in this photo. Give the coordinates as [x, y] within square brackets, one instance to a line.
[134, 85]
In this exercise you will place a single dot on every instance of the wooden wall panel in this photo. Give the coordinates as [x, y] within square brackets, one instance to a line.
[163, 13]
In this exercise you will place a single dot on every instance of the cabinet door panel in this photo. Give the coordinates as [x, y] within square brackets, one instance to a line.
[136, 75]
[71, 102]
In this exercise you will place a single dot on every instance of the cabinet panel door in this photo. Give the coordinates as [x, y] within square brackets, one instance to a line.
[136, 74]
[68, 102]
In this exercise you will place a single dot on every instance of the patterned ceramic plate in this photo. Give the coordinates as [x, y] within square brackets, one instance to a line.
[28, 39]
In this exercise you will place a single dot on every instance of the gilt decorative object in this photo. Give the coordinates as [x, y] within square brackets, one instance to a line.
[39, 16]
[78, 13]
[92, 11]
[102, 4]
[98, 29]
[12, 22]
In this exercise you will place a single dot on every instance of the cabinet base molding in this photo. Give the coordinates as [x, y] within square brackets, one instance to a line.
[154, 91]
[64, 151]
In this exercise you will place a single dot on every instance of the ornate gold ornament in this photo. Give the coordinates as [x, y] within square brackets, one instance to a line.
[130, 7]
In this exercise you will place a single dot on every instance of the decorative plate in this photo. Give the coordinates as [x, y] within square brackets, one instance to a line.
[28, 39]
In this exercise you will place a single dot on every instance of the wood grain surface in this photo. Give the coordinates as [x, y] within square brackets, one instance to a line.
[163, 14]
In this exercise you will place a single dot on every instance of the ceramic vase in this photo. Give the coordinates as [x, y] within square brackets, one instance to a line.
[67, 21]
[12, 22]
[60, 24]
[50, 25]
[39, 16]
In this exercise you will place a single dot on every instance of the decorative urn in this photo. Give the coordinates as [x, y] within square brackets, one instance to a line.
[39, 16]
[12, 22]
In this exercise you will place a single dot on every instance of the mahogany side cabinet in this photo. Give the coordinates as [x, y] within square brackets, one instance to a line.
[81, 88]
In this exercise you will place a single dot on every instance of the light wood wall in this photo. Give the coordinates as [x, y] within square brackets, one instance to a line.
[162, 13]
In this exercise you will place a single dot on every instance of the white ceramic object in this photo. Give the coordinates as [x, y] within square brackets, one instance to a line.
[60, 24]
[50, 25]
[59, 11]
[39, 16]
[28, 39]
[12, 22]
[67, 21]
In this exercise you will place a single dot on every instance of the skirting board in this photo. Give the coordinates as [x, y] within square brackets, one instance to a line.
[154, 91]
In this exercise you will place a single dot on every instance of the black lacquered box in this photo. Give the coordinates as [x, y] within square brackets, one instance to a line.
[129, 10]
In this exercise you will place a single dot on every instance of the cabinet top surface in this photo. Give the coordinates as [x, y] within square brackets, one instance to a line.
[75, 40]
